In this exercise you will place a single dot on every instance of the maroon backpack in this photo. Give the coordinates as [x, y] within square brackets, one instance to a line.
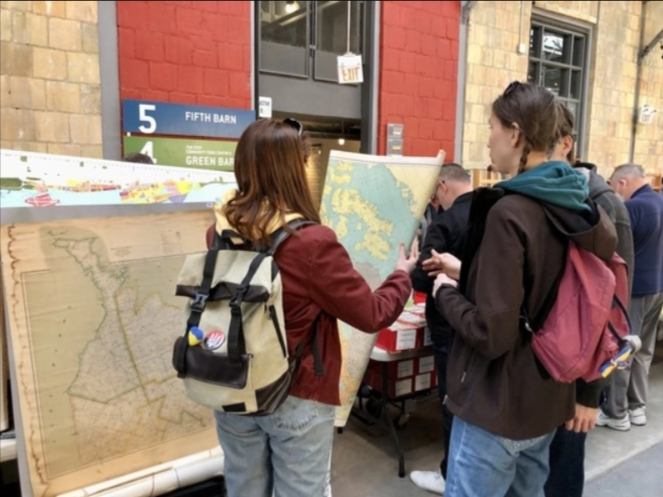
[588, 324]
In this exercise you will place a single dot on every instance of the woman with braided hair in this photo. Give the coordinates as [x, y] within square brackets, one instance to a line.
[506, 406]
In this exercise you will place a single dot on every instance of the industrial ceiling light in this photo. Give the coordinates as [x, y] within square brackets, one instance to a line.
[291, 7]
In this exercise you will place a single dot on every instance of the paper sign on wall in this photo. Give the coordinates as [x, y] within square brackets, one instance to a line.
[265, 107]
[350, 70]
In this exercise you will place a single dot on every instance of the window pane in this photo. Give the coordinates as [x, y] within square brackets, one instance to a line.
[578, 51]
[556, 80]
[573, 107]
[532, 74]
[284, 35]
[284, 23]
[535, 42]
[332, 25]
[576, 84]
[556, 47]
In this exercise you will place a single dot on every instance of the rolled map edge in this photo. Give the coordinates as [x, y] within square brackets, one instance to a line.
[159, 479]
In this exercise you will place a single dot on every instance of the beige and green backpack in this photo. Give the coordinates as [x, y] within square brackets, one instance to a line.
[233, 356]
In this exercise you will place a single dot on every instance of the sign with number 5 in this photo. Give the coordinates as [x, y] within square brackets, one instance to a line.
[184, 120]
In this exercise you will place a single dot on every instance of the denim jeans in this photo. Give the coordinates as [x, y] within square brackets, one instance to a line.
[482, 464]
[567, 464]
[285, 454]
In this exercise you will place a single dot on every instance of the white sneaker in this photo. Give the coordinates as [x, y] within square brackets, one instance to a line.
[429, 480]
[637, 416]
[623, 424]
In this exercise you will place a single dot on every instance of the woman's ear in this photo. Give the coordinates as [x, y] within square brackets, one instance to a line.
[515, 135]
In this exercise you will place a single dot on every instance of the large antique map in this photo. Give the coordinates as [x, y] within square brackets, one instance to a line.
[93, 318]
[373, 204]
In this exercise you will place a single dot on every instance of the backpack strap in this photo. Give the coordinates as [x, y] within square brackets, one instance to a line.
[277, 239]
[280, 235]
[197, 307]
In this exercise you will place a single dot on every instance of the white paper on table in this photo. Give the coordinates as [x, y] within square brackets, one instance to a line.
[406, 339]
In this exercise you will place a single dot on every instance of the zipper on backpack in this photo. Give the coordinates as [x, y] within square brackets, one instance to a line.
[275, 320]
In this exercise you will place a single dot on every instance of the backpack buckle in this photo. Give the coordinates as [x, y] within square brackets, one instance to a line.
[238, 298]
[199, 302]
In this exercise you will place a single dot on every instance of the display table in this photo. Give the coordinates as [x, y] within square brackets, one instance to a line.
[389, 392]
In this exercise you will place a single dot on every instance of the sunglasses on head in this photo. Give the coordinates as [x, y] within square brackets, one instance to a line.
[294, 123]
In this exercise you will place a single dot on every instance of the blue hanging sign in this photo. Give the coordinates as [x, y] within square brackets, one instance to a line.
[184, 120]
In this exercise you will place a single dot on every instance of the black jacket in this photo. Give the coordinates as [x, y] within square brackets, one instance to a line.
[446, 234]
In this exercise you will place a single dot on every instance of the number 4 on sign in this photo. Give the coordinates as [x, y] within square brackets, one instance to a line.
[148, 149]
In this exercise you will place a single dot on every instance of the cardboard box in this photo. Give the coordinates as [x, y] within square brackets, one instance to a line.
[404, 377]
[407, 333]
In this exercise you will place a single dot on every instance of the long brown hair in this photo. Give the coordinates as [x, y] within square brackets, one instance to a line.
[271, 178]
[536, 113]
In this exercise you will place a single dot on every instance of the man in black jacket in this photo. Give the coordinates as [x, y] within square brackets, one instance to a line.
[567, 451]
[454, 193]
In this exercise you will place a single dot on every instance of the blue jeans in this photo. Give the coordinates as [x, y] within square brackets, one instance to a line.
[286, 453]
[482, 464]
[567, 464]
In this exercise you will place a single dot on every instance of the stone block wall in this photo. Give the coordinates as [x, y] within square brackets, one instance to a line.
[496, 29]
[49, 78]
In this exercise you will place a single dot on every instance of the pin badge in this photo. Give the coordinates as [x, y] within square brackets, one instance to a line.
[214, 339]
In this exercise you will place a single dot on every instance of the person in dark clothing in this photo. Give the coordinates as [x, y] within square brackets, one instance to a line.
[567, 450]
[433, 209]
[138, 158]
[454, 194]
[506, 411]
[627, 396]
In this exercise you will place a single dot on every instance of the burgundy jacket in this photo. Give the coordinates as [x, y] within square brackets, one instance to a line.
[319, 279]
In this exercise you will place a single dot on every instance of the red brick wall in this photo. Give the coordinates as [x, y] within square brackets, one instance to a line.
[418, 74]
[186, 52]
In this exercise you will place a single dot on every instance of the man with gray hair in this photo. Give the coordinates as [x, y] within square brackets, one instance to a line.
[627, 396]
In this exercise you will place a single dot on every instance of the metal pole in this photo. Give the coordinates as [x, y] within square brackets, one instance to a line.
[347, 48]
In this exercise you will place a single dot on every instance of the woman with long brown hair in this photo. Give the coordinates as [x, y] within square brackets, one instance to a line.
[506, 407]
[287, 453]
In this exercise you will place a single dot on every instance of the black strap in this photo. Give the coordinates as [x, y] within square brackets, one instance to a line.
[317, 358]
[236, 343]
[197, 307]
[280, 235]
[315, 347]
[622, 307]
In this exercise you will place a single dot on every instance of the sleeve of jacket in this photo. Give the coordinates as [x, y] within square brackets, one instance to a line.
[491, 325]
[625, 239]
[341, 291]
[209, 236]
[589, 394]
[436, 238]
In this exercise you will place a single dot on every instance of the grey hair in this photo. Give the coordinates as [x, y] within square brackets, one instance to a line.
[631, 170]
[454, 172]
